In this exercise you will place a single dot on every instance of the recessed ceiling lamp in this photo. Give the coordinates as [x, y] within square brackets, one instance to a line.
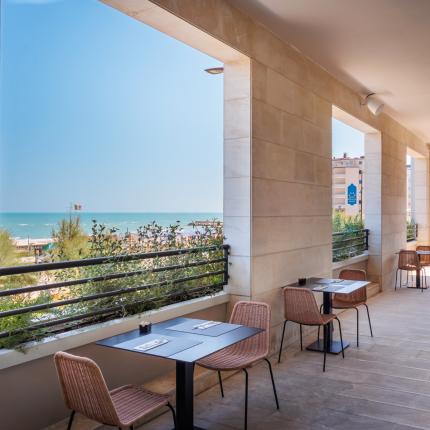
[375, 106]
[215, 70]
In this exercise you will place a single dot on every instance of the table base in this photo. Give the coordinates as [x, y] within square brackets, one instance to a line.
[195, 428]
[335, 346]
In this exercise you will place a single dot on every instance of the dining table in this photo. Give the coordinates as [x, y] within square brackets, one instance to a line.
[185, 341]
[327, 287]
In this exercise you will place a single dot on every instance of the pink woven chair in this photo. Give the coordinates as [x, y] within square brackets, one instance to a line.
[248, 352]
[355, 299]
[300, 306]
[409, 261]
[85, 391]
[424, 259]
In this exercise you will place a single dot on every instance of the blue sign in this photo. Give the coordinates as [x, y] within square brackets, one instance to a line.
[352, 194]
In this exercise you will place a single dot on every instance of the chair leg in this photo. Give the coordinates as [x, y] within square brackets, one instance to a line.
[301, 338]
[282, 341]
[395, 283]
[72, 416]
[325, 345]
[173, 414]
[341, 338]
[220, 383]
[368, 317]
[358, 327]
[273, 382]
[246, 399]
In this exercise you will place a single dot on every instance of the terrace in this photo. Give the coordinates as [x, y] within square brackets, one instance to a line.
[278, 105]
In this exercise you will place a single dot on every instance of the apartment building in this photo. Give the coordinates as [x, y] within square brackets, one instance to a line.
[348, 184]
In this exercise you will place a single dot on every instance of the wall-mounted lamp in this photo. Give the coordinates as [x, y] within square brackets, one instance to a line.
[375, 106]
[215, 70]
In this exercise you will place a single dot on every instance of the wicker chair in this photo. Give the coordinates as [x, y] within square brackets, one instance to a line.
[355, 299]
[85, 391]
[424, 259]
[409, 261]
[301, 307]
[248, 352]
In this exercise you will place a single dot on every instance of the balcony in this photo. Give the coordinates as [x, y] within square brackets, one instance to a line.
[284, 82]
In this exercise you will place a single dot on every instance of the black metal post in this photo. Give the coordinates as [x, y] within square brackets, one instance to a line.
[327, 310]
[185, 396]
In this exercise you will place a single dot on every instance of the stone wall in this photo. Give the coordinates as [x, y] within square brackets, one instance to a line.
[289, 230]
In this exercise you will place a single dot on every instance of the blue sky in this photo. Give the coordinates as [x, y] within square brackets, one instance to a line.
[346, 139]
[100, 109]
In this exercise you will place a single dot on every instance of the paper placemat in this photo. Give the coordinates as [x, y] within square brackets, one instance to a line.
[151, 344]
[329, 287]
[168, 346]
[210, 328]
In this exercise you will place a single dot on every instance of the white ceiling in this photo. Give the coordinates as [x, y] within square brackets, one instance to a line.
[382, 46]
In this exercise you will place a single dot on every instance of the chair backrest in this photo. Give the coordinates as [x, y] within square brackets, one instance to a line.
[357, 296]
[301, 307]
[424, 258]
[84, 388]
[253, 314]
[408, 260]
[353, 274]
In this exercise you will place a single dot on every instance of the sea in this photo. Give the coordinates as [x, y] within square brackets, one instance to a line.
[39, 225]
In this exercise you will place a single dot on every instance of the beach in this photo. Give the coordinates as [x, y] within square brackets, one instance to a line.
[39, 225]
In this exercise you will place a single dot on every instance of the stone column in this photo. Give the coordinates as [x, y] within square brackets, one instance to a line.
[420, 195]
[373, 207]
[237, 176]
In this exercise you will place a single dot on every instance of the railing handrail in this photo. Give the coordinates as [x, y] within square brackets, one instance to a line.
[349, 243]
[337, 233]
[69, 264]
[217, 269]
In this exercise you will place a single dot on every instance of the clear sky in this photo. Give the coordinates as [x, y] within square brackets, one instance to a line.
[346, 139]
[99, 109]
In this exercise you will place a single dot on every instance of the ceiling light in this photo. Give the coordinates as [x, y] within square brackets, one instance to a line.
[215, 70]
[375, 106]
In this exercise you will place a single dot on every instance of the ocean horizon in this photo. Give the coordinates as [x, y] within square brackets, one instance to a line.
[39, 225]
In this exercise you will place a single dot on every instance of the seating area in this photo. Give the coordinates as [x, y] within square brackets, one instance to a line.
[240, 345]
[414, 263]
[381, 385]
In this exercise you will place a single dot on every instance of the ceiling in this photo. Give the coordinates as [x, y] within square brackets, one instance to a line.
[380, 46]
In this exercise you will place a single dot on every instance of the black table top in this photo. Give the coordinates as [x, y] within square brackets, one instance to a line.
[182, 346]
[329, 285]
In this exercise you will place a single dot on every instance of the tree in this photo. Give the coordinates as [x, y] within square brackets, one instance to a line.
[8, 256]
[71, 242]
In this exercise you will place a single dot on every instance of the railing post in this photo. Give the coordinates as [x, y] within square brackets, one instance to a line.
[367, 239]
[226, 254]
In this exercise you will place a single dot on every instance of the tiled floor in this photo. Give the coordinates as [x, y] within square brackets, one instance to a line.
[383, 385]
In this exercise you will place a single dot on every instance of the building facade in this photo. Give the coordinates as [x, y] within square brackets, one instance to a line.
[348, 184]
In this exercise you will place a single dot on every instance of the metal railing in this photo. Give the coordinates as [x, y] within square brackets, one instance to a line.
[82, 292]
[411, 232]
[347, 244]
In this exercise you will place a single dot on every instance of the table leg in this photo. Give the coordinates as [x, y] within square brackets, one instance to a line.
[185, 396]
[334, 346]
